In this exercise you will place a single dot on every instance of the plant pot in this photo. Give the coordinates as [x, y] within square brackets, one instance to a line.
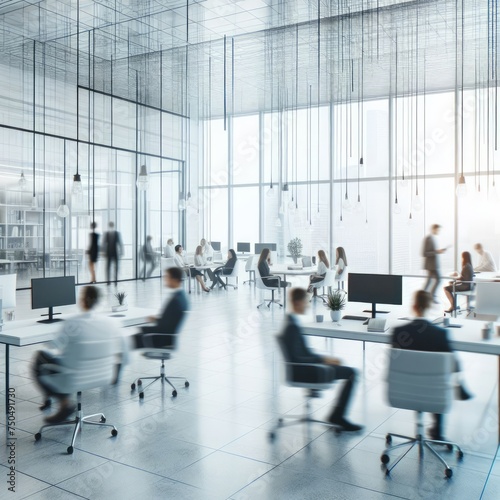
[335, 315]
[294, 259]
[118, 308]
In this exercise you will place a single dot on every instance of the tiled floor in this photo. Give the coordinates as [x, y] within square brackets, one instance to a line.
[211, 442]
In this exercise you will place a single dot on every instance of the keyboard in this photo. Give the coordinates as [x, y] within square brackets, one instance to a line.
[356, 318]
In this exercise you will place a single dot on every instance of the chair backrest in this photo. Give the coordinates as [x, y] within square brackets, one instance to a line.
[328, 281]
[488, 298]
[92, 366]
[259, 283]
[236, 269]
[249, 263]
[420, 380]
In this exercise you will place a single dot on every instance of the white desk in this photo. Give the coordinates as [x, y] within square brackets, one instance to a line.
[487, 276]
[467, 339]
[29, 332]
[282, 269]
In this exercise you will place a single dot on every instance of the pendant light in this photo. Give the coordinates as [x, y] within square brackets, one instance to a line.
[142, 179]
[63, 210]
[22, 182]
[461, 190]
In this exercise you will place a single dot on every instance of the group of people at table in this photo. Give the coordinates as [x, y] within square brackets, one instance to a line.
[204, 254]
[463, 281]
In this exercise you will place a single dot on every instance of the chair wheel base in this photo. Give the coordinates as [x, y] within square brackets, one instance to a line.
[448, 473]
[186, 384]
[141, 395]
[114, 432]
[132, 387]
[385, 458]
[174, 393]
[38, 436]
[70, 450]
[271, 436]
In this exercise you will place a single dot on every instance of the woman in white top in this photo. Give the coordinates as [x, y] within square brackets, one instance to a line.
[200, 260]
[319, 275]
[169, 248]
[341, 263]
[180, 262]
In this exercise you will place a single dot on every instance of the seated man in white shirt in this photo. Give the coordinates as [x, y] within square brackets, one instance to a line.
[83, 327]
[169, 248]
[208, 251]
[486, 263]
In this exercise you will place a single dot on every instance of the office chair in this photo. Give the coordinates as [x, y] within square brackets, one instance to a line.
[328, 281]
[250, 269]
[234, 274]
[259, 283]
[469, 295]
[420, 381]
[313, 390]
[161, 353]
[93, 367]
[341, 280]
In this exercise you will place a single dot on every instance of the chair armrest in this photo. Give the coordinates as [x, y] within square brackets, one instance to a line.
[148, 340]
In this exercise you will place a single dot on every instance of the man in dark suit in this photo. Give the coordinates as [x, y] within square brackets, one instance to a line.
[430, 253]
[113, 249]
[167, 325]
[328, 368]
[421, 335]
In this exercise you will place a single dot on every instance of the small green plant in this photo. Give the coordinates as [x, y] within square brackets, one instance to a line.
[295, 248]
[336, 300]
[120, 297]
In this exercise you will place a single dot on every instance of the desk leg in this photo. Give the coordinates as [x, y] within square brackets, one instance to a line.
[499, 399]
[284, 294]
[7, 370]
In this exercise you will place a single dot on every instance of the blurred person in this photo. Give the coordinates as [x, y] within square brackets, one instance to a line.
[422, 335]
[191, 271]
[486, 262]
[93, 251]
[300, 353]
[113, 249]
[84, 327]
[462, 284]
[208, 251]
[169, 249]
[148, 257]
[340, 262]
[319, 275]
[167, 325]
[430, 252]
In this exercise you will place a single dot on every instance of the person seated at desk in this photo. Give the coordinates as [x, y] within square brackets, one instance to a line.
[265, 272]
[167, 325]
[319, 275]
[421, 335]
[208, 251]
[194, 273]
[340, 263]
[463, 283]
[226, 269]
[169, 249]
[486, 264]
[300, 353]
[84, 327]
[201, 261]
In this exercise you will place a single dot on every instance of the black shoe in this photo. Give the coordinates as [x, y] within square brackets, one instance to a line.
[62, 415]
[47, 404]
[344, 424]
[462, 394]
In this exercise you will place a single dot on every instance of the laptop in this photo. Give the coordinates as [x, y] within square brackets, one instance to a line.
[306, 262]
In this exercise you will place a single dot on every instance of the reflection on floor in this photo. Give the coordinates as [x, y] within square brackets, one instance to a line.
[211, 441]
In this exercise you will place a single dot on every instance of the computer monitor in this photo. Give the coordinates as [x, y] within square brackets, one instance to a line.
[260, 246]
[7, 291]
[215, 245]
[488, 298]
[52, 292]
[243, 247]
[375, 288]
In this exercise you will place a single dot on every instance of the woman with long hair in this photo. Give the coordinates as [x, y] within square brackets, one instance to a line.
[463, 283]
[340, 262]
[191, 271]
[265, 271]
[226, 269]
[319, 275]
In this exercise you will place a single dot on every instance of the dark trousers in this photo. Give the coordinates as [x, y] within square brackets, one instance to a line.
[216, 273]
[161, 340]
[349, 375]
[432, 275]
[39, 367]
[152, 266]
[112, 260]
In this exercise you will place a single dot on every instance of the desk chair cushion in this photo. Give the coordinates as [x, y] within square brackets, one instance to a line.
[421, 380]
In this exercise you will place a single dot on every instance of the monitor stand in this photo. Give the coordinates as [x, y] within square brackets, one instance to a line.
[374, 311]
[50, 315]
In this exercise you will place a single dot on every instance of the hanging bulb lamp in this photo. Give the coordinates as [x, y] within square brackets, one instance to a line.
[62, 210]
[22, 182]
[461, 190]
[77, 188]
[142, 179]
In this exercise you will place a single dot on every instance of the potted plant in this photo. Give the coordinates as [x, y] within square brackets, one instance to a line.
[336, 301]
[295, 249]
[122, 305]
